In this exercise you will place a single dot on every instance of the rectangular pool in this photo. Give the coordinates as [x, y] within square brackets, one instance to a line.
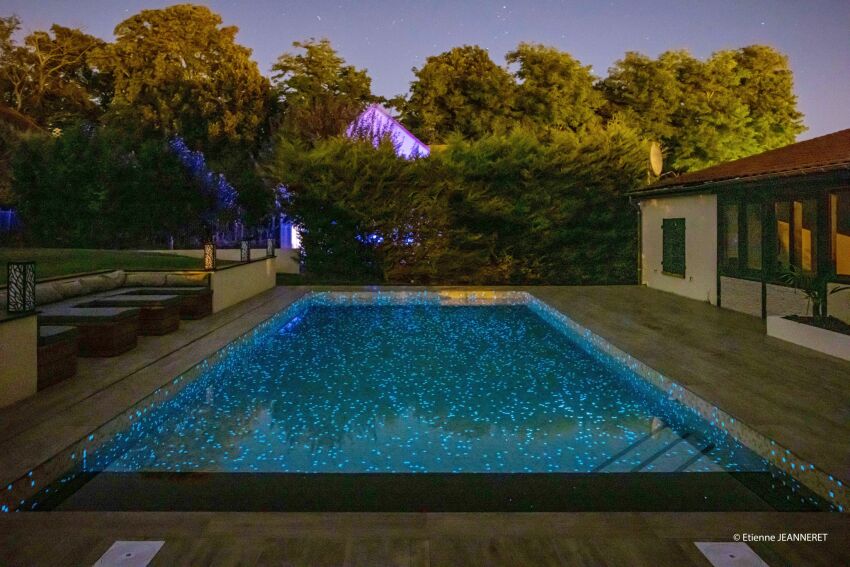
[398, 385]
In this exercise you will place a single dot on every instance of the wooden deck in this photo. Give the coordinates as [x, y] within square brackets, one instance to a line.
[798, 397]
[795, 396]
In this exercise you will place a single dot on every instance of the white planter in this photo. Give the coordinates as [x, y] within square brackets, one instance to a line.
[815, 338]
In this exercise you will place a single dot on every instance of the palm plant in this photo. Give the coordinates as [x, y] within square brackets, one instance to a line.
[813, 286]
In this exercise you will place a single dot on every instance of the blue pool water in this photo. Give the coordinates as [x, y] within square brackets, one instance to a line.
[418, 388]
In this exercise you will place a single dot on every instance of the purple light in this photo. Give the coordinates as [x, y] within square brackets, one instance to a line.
[214, 184]
[375, 124]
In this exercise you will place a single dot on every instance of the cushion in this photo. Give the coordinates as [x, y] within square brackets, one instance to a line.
[85, 315]
[70, 288]
[198, 279]
[49, 334]
[145, 279]
[46, 293]
[94, 284]
[116, 278]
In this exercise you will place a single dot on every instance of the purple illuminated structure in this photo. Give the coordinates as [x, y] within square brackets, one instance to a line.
[375, 124]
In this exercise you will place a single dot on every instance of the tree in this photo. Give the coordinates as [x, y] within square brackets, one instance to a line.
[319, 94]
[766, 86]
[459, 91]
[555, 90]
[51, 77]
[734, 104]
[183, 73]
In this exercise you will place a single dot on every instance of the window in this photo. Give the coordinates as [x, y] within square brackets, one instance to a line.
[673, 247]
[753, 211]
[839, 210]
[730, 236]
[783, 235]
[805, 235]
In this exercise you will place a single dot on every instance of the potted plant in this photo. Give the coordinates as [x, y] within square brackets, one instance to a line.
[819, 331]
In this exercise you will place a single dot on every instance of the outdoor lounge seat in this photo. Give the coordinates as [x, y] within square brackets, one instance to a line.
[57, 354]
[159, 314]
[195, 302]
[103, 331]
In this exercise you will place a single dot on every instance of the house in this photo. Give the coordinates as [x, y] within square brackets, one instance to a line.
[375, 123]
[726, 233]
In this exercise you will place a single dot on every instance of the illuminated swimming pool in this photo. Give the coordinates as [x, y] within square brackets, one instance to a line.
[394, 384]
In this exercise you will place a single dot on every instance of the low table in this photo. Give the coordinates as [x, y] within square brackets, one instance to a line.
[57, 354]
[195, 302]
[159, 314]
[103, 331]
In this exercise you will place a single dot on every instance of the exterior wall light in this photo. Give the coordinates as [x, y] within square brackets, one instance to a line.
[20, 294]
[209, 256]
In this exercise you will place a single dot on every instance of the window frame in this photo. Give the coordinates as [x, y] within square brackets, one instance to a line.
[739, 267]
[664, 232]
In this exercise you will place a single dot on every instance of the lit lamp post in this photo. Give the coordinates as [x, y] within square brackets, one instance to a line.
[20, 292]
[209, 256]
[269, 247]
[245, 252]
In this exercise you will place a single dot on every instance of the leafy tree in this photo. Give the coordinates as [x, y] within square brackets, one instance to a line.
[459, 91]
[320, 95]
[734, 104]
[183, 73]
[51, 77]
[555, 90]
[766, 86]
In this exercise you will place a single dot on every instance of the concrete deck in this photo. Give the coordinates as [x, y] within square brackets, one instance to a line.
[797, 397]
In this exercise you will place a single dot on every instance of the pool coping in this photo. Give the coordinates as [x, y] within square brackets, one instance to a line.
[817, 480]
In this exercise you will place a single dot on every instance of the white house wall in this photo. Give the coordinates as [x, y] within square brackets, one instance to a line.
[700, 214]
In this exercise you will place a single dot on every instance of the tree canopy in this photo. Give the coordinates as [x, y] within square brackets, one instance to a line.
[459, 91]
[734, 104]
[554, 89]
[51, 76]
[184, 73]
[319, 94]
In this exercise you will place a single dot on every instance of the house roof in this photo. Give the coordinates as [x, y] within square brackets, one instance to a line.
[821, 154]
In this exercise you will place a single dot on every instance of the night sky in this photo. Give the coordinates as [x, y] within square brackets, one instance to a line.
[388, 38]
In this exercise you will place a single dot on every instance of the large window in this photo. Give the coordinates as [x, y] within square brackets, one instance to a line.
[753, 216]
[783, 235]
[741, 238]
[730, 236]
[839, 208]
[673, 247]
[797, 234]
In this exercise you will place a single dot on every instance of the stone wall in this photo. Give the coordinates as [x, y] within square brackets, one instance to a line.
[740, 295]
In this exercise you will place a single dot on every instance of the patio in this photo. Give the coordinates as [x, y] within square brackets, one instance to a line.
[787, 393]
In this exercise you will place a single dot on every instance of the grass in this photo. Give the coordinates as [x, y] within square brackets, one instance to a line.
[52, 262]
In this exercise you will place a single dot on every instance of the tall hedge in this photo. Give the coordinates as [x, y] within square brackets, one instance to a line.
[514, 208]
[100, 187]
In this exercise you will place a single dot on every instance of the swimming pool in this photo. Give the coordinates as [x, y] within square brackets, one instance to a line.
[344, 386]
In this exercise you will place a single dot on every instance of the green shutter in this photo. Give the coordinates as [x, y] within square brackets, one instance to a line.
[673, 256]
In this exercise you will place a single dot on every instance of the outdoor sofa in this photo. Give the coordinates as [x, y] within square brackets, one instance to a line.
[110, 309]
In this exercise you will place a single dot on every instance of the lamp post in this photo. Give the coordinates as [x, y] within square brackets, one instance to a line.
[20, 292]
[245, 252]
[209, 256]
